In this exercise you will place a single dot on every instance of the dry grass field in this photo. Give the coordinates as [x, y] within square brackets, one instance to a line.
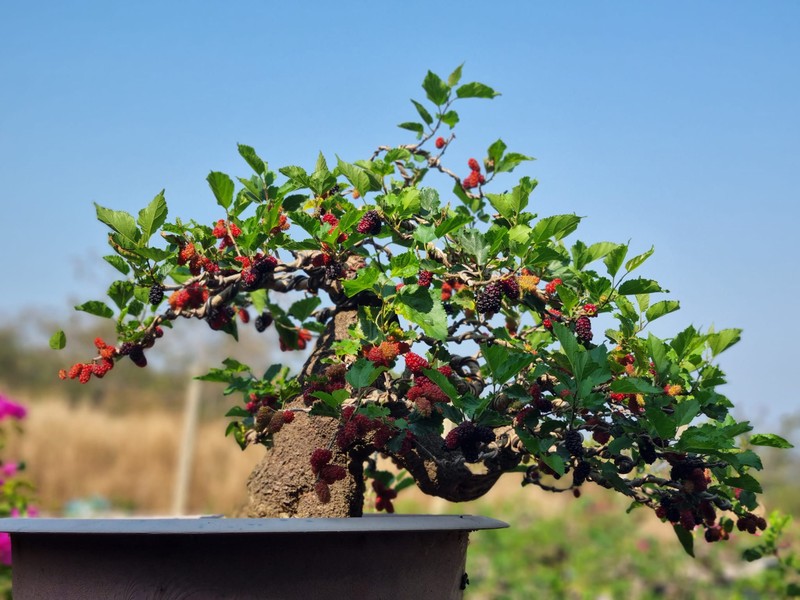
[129, 459]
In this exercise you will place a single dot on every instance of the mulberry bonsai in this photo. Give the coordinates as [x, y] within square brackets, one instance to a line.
[459, 335]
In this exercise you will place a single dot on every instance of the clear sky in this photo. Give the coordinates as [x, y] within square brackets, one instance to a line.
[675, 124]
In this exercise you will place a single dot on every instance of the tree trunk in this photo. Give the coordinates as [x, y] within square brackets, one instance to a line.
[282, 484]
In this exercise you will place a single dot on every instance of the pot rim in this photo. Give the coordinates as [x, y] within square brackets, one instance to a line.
[217, 525]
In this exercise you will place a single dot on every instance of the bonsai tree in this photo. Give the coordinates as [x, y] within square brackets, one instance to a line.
[461, 336]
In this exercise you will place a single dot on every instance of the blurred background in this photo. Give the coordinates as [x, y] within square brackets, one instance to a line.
[671, 124]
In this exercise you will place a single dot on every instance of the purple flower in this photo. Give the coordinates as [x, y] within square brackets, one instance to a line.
[8, 408]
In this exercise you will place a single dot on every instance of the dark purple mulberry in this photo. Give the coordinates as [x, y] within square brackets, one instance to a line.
[370, 223]
[573, 442]
[489, 300]
[583, 329]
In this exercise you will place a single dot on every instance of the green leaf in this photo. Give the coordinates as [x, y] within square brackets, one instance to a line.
[455, 76]
[436, 89]
[665, 427]
[255, 162]
[555, 462]
[118, 263]
[222, 186]
[633, 385]
[476, 90]
[722, 340]
[58, 340]
[504, 363]
[451, 224]
[355, 175]
[95, 307]
[659, 309]
[424, 234]
[496, 150]
[302, 309]
[685, 538]
[614, 258]
[424, 307]
[570, 346]
[362, 373]
[152, 217]
[769, 439]
[556, 227]
[745, 482]
[121, 222]
[568, 298]
[423, 113]
[404, 265]
[443, 382]
[429, 200]
[413, 126]
[364, 281]
[472, 241]
[639, 286]
[121, 292]
[503, 203]
[636, 261]
[510, 161]
[450, 118]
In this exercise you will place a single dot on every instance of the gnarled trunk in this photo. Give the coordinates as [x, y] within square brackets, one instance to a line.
[282, 484]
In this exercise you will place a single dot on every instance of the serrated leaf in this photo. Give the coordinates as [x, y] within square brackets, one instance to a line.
[570, 346]
[614, 259]
[504, 363]
[364, 281]
[510, 161]
[745, 482]
[118, 263]
[450, 118]
[475, 90]
[568, 298]
[455, 76]
[121, 292]
[423, 113]
[58, 340]
[152, 217]
[362, 373]
[473, 243]
[253, 159]
[555, 462]
[222, 186]
[636, 261]
[404, 265]
[121, 222]
[425, 309]
[302, 309]
[436, 89]
[556, 227]
[355, 175]
[639, 286]
[412, 126]
[659, 309]
[424, 234]
[720, 341]
[770, 440]
[496, 150]
[95, 307]
[633, 385]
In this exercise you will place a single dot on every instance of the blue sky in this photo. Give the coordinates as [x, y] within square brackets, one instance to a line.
[674, 124]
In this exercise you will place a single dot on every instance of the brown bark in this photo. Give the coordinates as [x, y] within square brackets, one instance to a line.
[282, 484]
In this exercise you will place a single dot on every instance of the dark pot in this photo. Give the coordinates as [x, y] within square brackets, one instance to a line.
[372, 557]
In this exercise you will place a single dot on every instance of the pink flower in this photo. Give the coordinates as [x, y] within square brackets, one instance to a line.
[9, 408]
[5, 549]
[9, 469]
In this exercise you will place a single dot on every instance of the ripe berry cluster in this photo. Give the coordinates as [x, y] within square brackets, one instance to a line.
[383, 496]
[489, 300]
[469, 438]
[370, 223]
[475, 177]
